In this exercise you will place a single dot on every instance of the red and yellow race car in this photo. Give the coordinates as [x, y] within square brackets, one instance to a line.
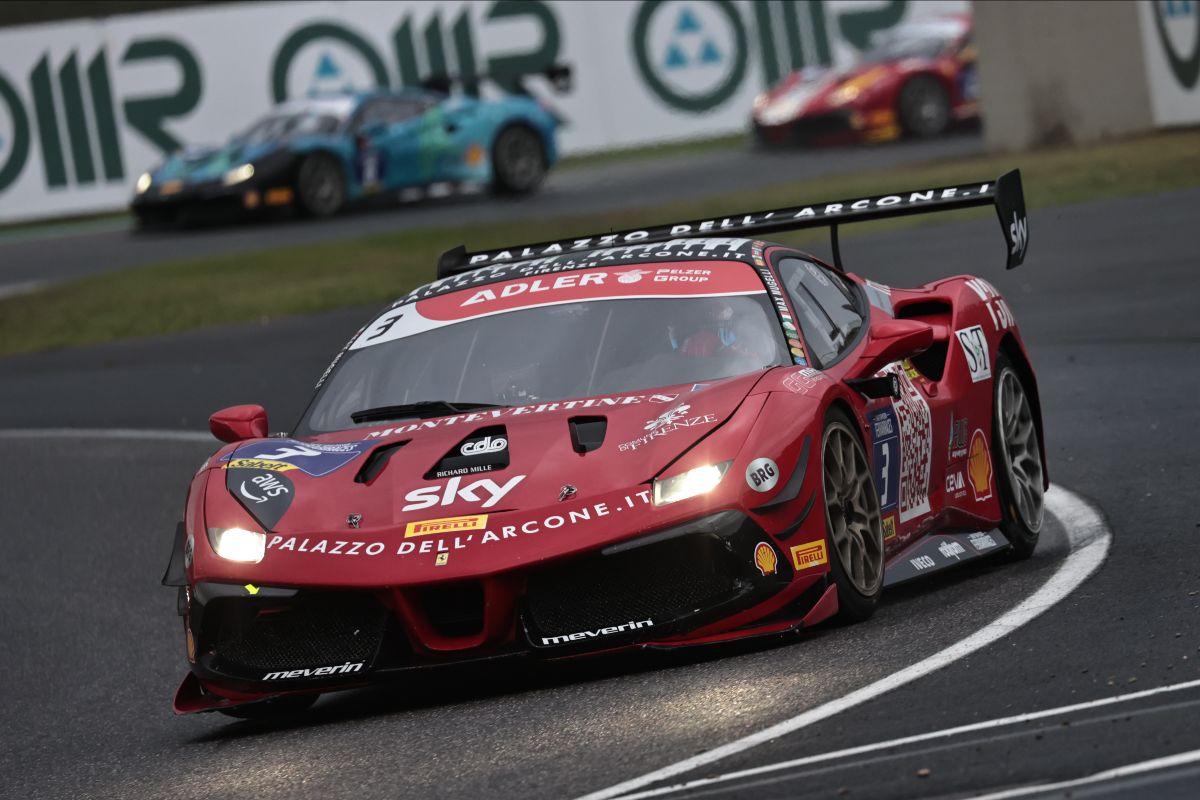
[663, 437]
[918, 80]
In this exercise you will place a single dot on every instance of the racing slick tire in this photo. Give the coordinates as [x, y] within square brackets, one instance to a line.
[273, 708]
[1016, 460]
[320, 185]
[923, 107]
[852, 519]
[518, 160]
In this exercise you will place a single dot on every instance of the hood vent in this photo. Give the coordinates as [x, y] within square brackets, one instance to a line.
[377, 461]
[587, 433]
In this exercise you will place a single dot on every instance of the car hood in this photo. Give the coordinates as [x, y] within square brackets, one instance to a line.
[200, 164]
[424, 473]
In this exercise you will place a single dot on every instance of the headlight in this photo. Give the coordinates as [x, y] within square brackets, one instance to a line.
[689, 484]
[238, 544]
[239, 174]
[846, 94]
[143, 182]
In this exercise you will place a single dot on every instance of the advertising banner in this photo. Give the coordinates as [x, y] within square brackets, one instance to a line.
[1171, 48]
[86, 106]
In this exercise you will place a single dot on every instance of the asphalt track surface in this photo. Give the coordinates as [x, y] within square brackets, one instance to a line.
[92, 649]
[61, 252]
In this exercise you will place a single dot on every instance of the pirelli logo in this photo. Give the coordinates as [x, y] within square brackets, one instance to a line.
[446, 525]
[809, 555]
[258, 463]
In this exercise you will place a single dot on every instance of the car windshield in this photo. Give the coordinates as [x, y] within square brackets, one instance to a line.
[913, 42]
[550, 350]
[280, 126]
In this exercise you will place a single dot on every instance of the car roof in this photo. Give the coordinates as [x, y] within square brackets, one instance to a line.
[531, 264]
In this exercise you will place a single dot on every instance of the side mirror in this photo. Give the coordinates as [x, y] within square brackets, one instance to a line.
[892, 340]
[237, 423]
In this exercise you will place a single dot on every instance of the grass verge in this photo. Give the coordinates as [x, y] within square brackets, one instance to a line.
[217, 290]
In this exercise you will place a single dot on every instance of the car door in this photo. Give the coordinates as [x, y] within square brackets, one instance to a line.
[399, 139]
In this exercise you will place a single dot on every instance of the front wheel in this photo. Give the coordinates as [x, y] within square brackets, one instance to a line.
[924, 107]
[851, 519]
[518, 160]
[320, 185]
[1017, 456]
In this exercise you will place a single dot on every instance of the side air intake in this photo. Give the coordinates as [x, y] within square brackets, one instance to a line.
[587, 433]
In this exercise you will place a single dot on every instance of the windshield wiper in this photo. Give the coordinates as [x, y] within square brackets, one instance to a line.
[421, 409]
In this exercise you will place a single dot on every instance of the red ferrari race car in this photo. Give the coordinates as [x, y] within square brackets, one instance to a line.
[918, 80]
[651, 438]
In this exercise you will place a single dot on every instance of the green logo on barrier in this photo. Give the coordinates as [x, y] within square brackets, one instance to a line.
[1183, 17]
[690, 53]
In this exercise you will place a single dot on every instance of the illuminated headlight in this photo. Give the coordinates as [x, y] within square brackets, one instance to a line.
[143, 183]
[846, 94]
[239, 174]
[238, 544]
[700, 480]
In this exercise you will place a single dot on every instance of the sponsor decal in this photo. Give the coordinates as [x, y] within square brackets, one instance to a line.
[484, 491]
[446, 543]
[800, 381]
[982, 541]
[581, 635]
[922, 563]
[265, 494]
[916, 446]
[885, 442]
[558, 286]
[318, 672]
[955, 485]
[806, 556]
[665, 423]
[762, 474]
[909, 369]
[258, 463]
[958, 437]
[951, 549]
[975, 351]
[879, 296]
[488, 444]
[889, 528]
[670, 398]
[1018, 231]
[1002, 317]
[442, 560]
[490, 414]
[979, 466]
[251, 589]
[765, 559]
[312, 458]
[446, 525]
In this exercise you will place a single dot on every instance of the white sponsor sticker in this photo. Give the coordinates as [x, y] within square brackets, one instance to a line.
[762, 474]
[975, 351]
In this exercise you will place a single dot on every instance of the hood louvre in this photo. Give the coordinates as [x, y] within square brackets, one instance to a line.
[376, 461]
[587, 433]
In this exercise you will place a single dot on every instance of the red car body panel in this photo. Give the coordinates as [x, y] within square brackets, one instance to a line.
[861, 104]
[393, 538]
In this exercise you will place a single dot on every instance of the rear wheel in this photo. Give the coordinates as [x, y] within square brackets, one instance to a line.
[1017, 459]
[320, 185]
[518, 160]
[924, 107]
[273, 708]
[851, 519]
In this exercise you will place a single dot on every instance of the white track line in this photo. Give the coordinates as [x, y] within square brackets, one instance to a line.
[104, 433]
[1089, 539]
[1190, 757]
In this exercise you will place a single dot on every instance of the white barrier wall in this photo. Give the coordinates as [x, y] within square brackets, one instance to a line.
[87, 106]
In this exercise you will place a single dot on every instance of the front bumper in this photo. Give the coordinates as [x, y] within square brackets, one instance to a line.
[660, 589]
[831, 127]
[167, 202]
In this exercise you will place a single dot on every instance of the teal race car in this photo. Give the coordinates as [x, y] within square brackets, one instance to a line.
[319, 154]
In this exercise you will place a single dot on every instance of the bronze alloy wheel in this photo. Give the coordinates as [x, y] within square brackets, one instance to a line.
[852, 519]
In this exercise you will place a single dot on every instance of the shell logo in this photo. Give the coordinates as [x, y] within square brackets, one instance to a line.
[765, 559]
[979, 466]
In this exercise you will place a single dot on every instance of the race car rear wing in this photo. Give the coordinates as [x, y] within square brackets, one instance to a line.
[1004, 193]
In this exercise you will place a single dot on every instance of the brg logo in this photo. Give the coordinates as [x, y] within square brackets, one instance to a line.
[691, 53]
[14, 134]
[325, 59]
[1178, 24]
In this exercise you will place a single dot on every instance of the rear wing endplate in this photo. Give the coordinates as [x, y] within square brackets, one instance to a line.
[1005, 194]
